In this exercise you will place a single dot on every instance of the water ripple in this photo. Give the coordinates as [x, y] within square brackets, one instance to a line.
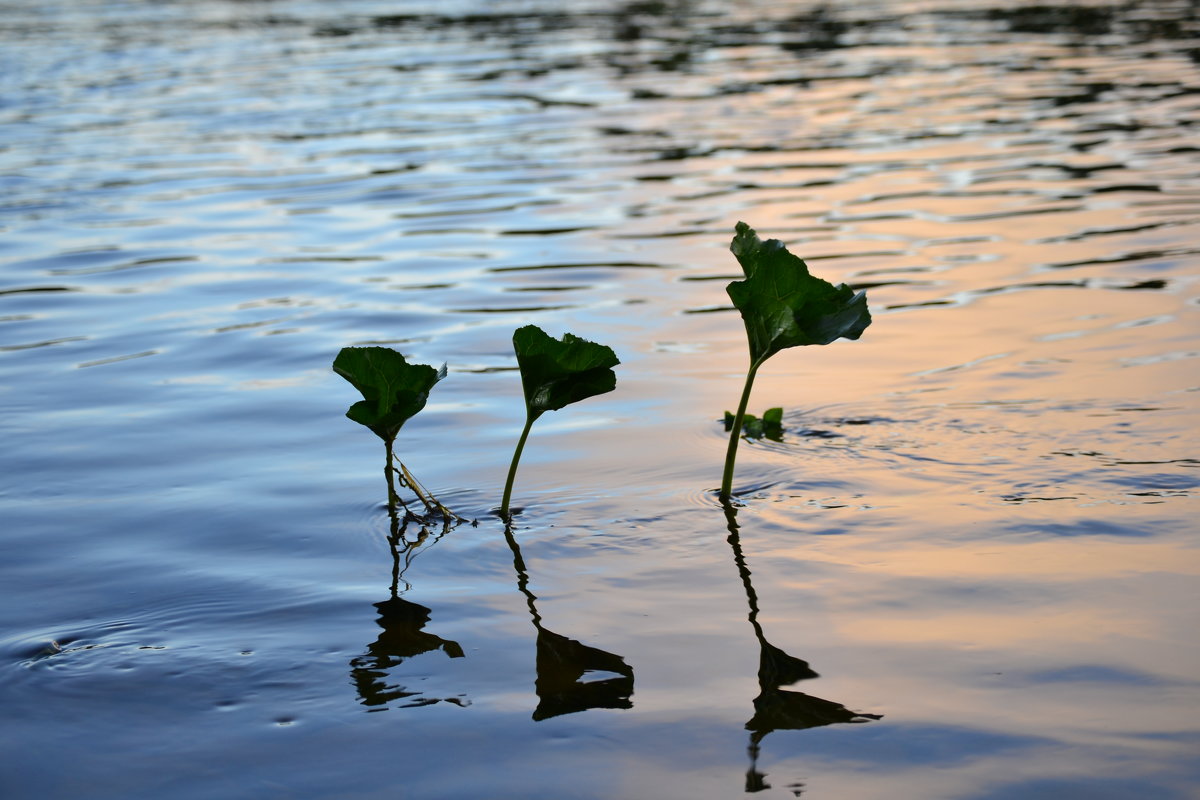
[202, 202]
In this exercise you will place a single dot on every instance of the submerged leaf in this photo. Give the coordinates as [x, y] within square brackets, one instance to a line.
[783, 305]
[556, 373]
[393, 390]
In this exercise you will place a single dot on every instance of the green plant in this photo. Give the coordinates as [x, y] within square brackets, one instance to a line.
[393, 392]
[783, 306]
[769, 425]
[555, 373]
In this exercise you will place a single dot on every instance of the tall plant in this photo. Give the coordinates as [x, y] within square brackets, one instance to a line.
[783, 306]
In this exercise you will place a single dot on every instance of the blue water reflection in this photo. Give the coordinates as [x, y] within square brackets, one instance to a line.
[976, 523]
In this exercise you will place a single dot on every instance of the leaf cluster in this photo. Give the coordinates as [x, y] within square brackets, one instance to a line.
[769, 425]
[554, 373]
[781, 303]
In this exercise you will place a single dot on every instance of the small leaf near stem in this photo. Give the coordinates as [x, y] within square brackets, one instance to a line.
[769, 425]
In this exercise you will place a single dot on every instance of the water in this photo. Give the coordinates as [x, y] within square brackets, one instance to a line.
[967, 570]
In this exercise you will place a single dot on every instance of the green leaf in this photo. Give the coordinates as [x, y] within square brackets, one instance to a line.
[393, 390]
[769, 425]
[556, 373]
[783, 306]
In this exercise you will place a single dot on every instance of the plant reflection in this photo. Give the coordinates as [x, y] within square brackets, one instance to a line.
[776, 708]
[402, 622]
[571, 676]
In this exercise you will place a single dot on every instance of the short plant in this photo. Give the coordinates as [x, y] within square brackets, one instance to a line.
[393, 391]
[768, 426]
[783, 306]
[555, 373]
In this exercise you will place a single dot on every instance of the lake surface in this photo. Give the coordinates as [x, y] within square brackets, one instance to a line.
[968, 568]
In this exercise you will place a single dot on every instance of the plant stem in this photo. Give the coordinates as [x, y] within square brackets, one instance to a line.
[426, 497]
[736, 434]
[512, 469]
[389, 473]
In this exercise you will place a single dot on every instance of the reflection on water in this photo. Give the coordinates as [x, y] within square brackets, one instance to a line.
[402, 638]
[403, 624]
[571, 676]
[977, 522]
[776, 708]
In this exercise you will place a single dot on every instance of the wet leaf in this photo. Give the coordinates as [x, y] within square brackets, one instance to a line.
[556, 373]
[783, 306]
[393, 390]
